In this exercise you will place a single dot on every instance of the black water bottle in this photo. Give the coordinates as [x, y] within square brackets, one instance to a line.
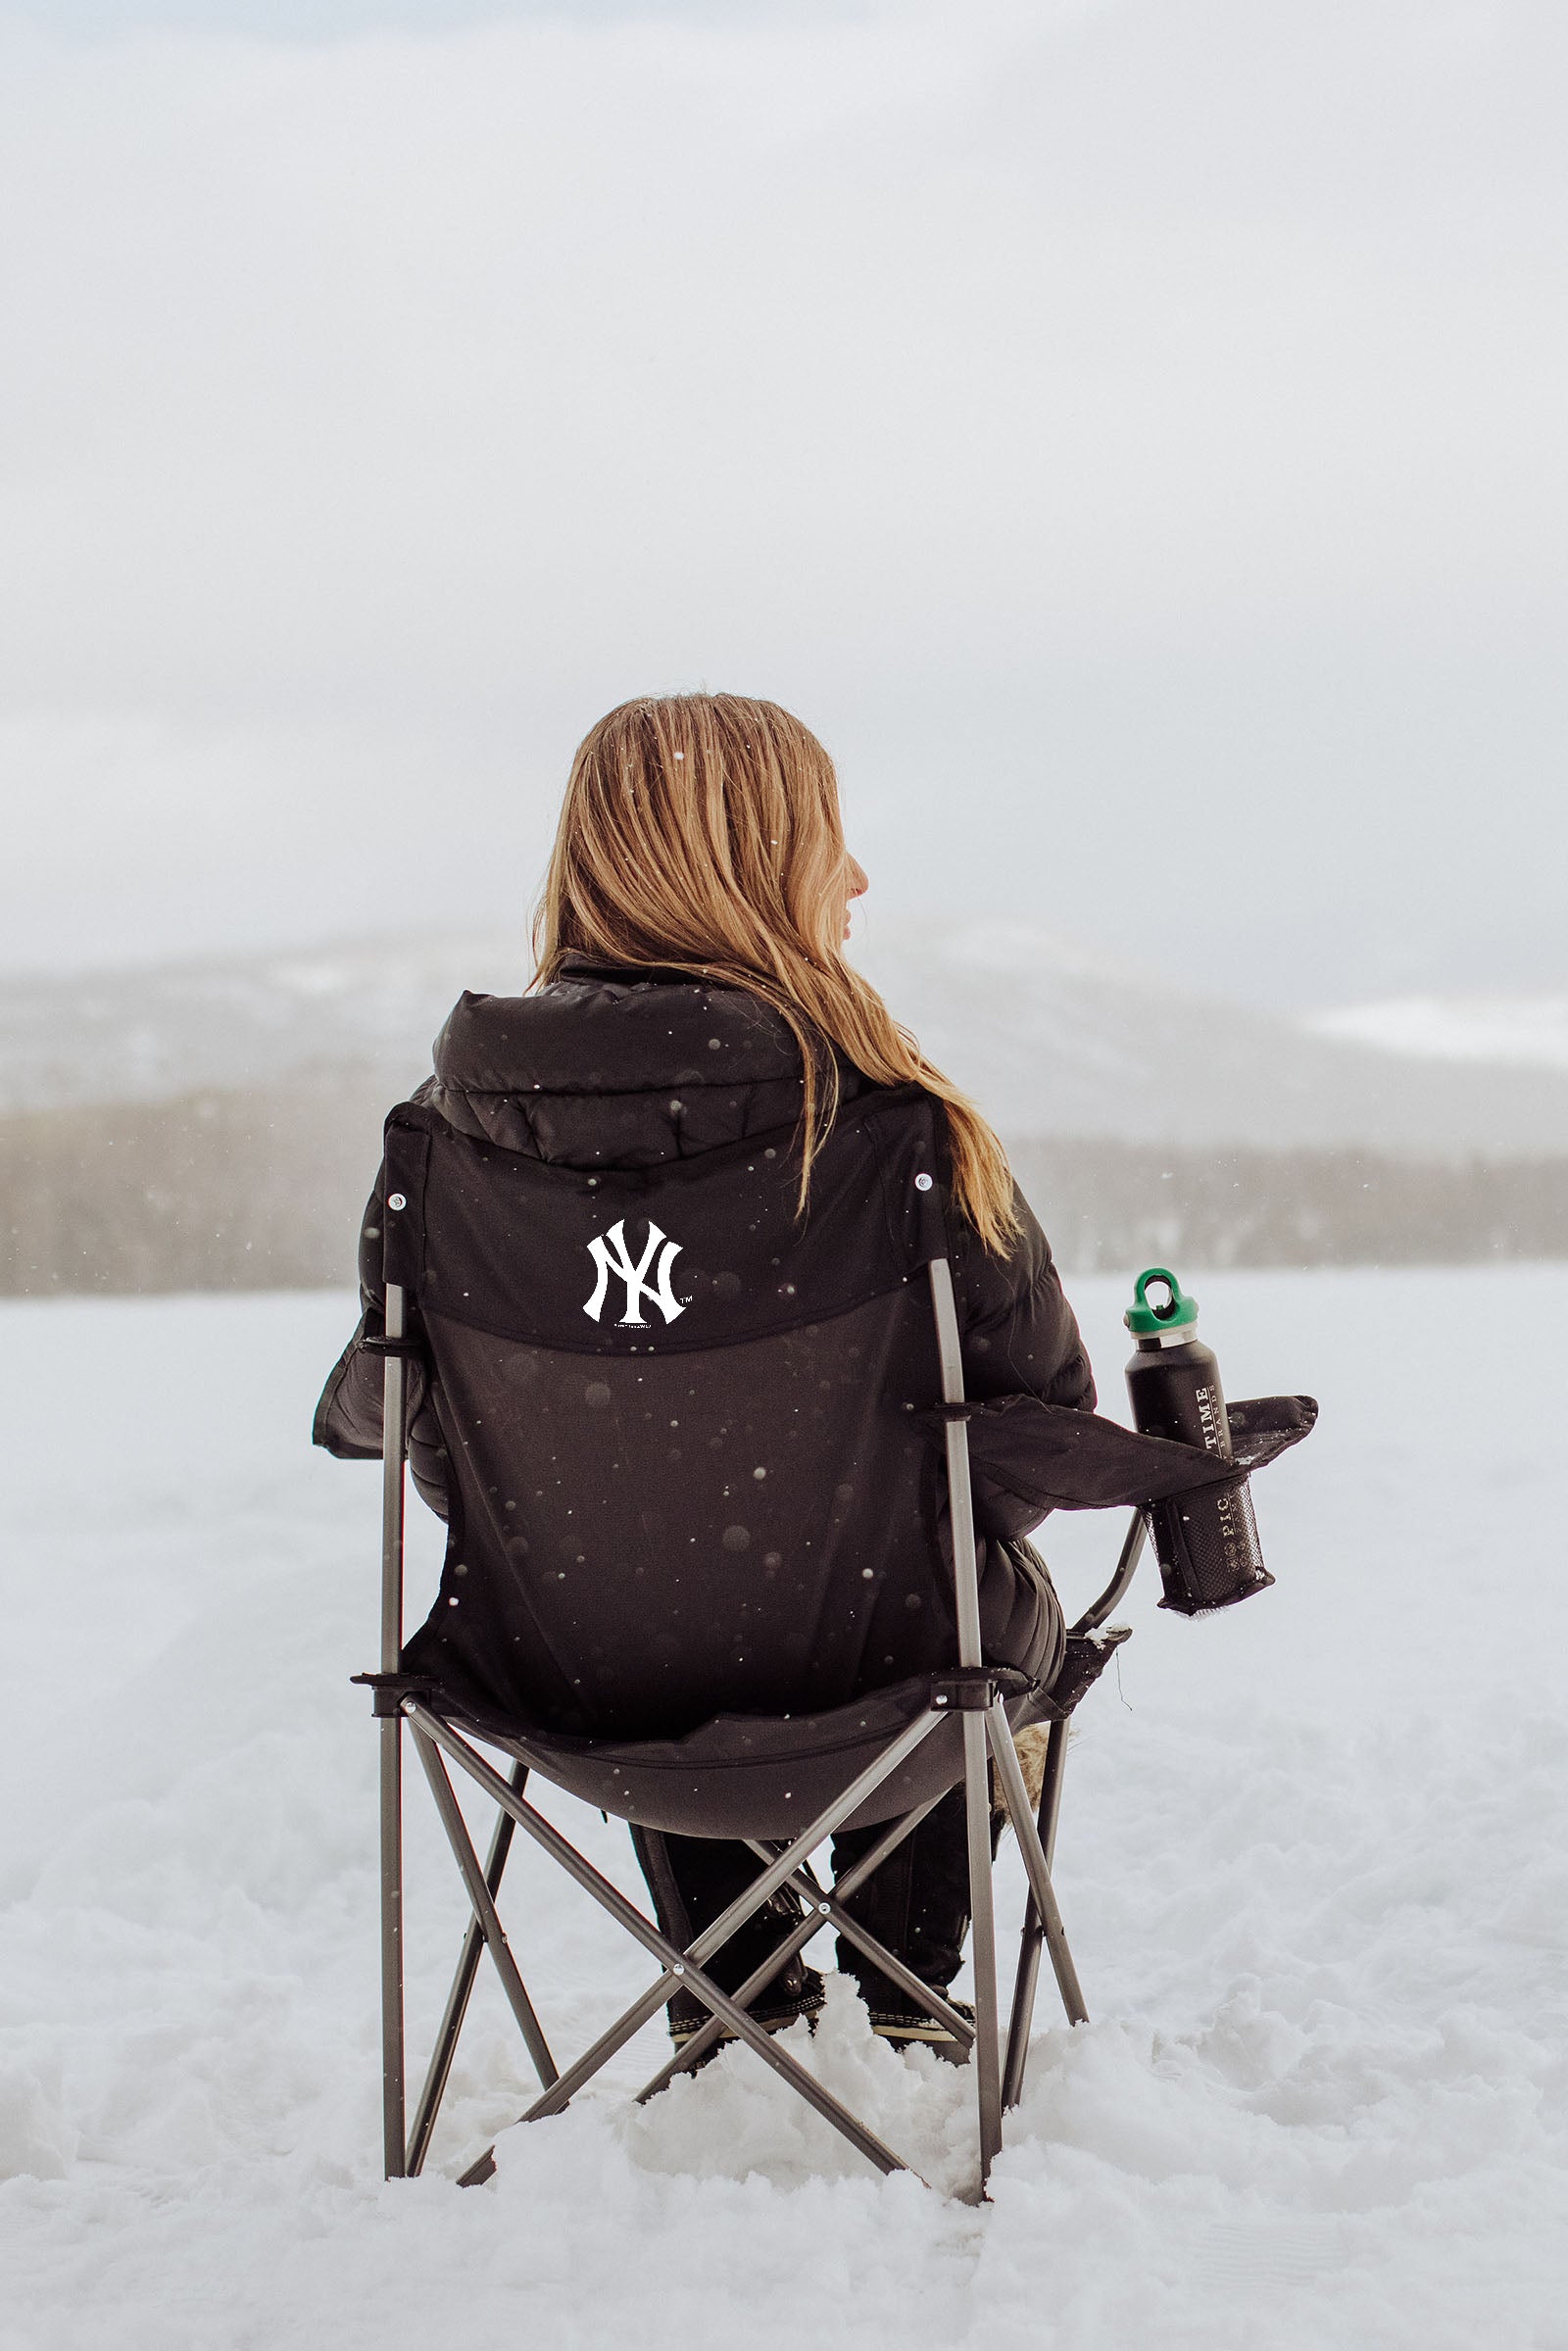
[1205, 1540]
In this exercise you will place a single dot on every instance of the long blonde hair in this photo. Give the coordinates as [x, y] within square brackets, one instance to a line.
[701, 832]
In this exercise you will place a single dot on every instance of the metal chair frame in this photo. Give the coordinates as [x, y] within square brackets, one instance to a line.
[987, 1738]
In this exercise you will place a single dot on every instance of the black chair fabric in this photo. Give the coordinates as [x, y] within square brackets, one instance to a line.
[763, 1775]
[1028, 1458]
[688, 1472]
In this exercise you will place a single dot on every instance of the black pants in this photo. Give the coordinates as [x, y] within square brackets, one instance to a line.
[917, 1902]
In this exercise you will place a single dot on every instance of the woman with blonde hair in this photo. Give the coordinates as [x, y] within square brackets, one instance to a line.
[691, 992]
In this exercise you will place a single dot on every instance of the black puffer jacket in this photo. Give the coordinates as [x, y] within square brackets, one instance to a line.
[619, 1068]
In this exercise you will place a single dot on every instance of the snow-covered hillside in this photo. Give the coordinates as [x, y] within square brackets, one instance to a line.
[1310, 1861]
[1523, 1031]
[1055, 1041]
[140, 1036]
[1051, 1040]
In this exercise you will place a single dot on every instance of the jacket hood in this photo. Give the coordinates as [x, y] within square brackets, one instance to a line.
[619, 1068]
[602, 1032]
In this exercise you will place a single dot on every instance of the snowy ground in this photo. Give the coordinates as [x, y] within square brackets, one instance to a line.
[1311, 1862]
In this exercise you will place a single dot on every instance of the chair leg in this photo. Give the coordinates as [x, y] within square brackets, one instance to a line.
[714, 1937]
[1033, 1936]
[678, 1966]
[444, 2049]
[394, 1399]
[392, 2056]
[822, 1911]
[1010, 1780]
[462, 1992]
[983, 1927]
[484, 1910]
[830, 1911]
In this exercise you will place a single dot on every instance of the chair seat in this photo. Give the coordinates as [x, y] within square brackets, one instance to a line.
[747, 1775]
[763, 1776]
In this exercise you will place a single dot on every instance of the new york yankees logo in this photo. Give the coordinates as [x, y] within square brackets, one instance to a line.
[613, 1257]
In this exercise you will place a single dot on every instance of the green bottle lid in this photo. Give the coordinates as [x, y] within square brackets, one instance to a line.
[1178, 1313]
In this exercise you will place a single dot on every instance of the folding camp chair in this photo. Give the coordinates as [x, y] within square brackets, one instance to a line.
[487, 1257]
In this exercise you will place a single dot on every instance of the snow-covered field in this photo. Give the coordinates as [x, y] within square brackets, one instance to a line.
[1311, 1862]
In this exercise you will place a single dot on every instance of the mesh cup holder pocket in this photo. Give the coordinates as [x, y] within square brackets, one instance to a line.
[1207, 1546]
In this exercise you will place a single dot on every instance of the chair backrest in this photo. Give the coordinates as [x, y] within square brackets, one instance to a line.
[686, 1471]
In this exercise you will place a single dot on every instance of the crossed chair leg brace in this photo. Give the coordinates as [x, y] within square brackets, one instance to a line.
[987, 1734]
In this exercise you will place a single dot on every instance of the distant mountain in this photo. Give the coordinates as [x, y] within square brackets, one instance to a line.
[1055, 1043]
[256, 1021]
[1528, 1032]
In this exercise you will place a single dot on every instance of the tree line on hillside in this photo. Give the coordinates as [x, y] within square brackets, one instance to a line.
[253, 1190]
[1111, 1206]
[261, 1189]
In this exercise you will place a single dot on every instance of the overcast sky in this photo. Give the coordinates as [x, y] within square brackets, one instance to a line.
[1130, 432]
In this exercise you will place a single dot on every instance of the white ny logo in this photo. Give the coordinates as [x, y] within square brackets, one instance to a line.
[638, 1287]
